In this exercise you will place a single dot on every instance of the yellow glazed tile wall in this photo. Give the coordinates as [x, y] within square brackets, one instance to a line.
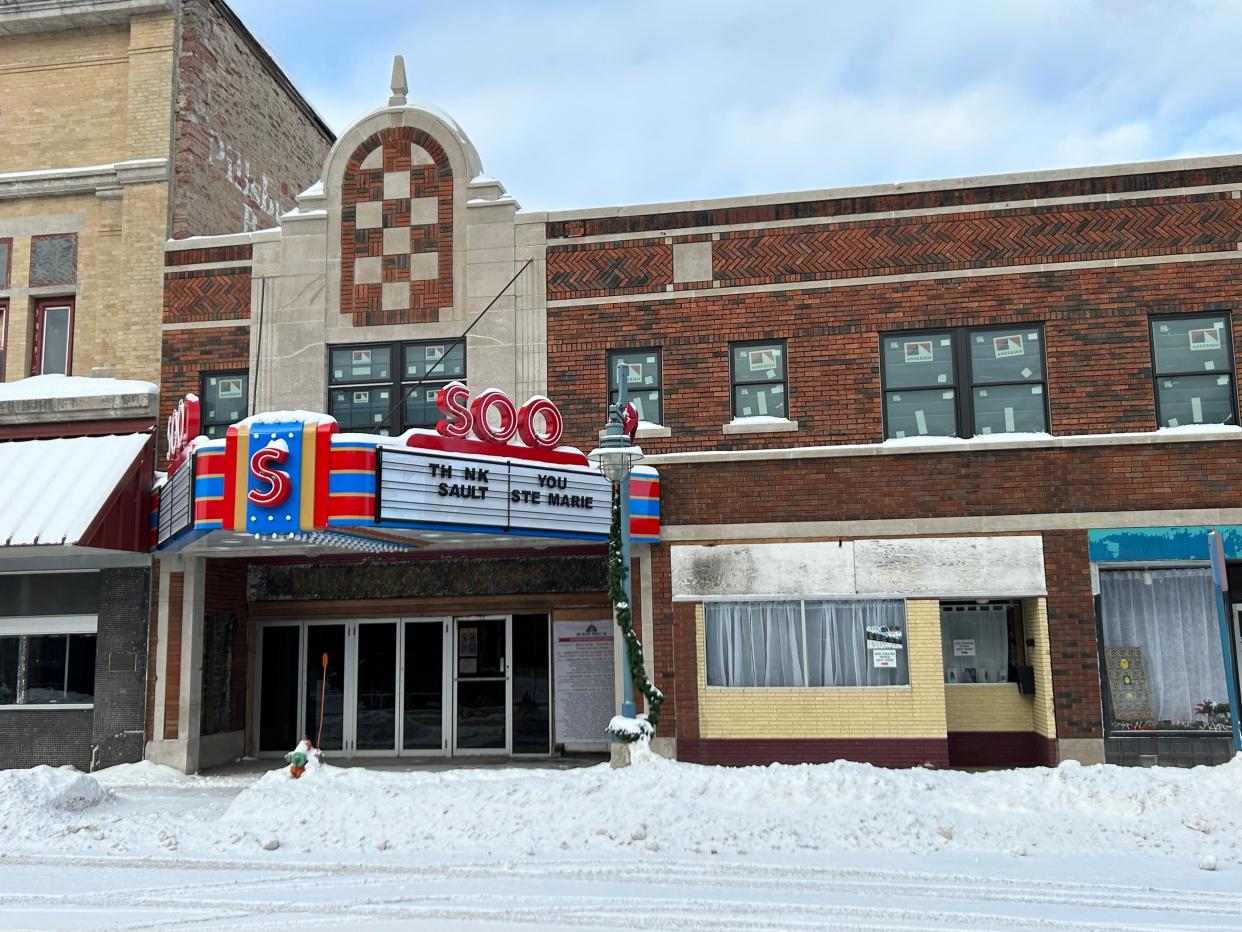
[917, 711]
[1035, 620]
[987, 707]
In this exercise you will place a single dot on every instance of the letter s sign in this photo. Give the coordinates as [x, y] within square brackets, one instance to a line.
[278, 482]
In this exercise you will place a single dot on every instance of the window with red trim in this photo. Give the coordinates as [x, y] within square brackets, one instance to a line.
[52, 352]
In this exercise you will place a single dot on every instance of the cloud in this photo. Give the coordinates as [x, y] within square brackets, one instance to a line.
[597, 103]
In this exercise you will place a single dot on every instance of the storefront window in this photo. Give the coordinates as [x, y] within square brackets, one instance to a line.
[980, 643]
[821, 643]
[1162, 654]
[47, 669]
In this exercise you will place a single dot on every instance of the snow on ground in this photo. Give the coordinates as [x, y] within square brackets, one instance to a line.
[656, 845]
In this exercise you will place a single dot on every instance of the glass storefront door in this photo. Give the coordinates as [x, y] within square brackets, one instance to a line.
[430, 686]
[482, 694]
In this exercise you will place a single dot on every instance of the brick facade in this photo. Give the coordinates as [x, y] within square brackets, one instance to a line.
[246, 142]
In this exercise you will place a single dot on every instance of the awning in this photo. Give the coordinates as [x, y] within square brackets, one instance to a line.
[65, 492]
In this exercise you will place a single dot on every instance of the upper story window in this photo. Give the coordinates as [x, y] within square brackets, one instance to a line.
[644, 381]
[4, 334]
[757, 379]
[964, 382]
[52, 352]
[1193, 369]
[6, 262]
[54, 259]
[224, 401]
[367, 384]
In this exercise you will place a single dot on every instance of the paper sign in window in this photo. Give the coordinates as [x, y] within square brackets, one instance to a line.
[229, 388]
[963, 647]
[1008, 345]
[919, 351]
[761, 360]
[1204, 340]
[884, 658]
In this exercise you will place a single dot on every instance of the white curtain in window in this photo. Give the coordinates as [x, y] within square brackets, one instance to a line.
[1171, 615]
[754, 644]
[837, 653]
[984, 631]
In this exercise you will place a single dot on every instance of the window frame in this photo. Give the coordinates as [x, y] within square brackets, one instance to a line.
[734, 384]
[396, 383]
[202, 386]
[6, 268]
[964, 383]
[805, 644]
[610, 369]
[1156, 375]
[38, 344]
[4, 337]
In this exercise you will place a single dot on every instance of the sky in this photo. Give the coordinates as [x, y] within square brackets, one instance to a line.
[595, 103]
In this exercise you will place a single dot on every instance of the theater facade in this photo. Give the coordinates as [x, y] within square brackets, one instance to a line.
[928, 479]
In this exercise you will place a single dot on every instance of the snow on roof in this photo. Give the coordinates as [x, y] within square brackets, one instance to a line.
[286, 417]
[72, 386]
[63, 484]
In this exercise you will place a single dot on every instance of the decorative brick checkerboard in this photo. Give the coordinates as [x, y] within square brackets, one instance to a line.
[397, 230]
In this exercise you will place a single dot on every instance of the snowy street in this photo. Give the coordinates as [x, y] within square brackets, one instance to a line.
[659, 845]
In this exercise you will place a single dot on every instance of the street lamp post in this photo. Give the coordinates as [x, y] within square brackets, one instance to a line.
[614, 456]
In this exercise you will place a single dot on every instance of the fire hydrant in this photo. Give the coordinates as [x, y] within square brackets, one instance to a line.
[298, 758]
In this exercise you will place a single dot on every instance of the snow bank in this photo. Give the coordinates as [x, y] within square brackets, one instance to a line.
[669, 806]
[24, 793]
[142, 773]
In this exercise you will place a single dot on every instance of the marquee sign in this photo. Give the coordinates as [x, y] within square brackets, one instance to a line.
[183, 426]
[488, 467]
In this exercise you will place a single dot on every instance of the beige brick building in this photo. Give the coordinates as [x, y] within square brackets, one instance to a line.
[127, 122]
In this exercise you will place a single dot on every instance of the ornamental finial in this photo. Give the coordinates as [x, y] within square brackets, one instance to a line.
[399, 86]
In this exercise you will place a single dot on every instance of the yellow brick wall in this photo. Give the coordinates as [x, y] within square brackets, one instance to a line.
[92, 97]
[63, 96]
[987, 707]
[916, 711]
[1039, 656]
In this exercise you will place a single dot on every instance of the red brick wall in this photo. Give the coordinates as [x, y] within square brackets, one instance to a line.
[1072, 631]
[953, 485]
[1095, 335]
[245, 142]
[172, 683]
[188, 353]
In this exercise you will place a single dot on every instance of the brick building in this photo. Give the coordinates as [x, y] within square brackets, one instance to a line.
[126, 123]
[182, 124]
[936, 461]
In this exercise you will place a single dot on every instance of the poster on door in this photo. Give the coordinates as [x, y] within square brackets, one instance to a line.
[583, 670]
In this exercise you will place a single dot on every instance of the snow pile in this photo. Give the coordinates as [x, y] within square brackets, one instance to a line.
[24, 793]
[839, 807]
[142, 773]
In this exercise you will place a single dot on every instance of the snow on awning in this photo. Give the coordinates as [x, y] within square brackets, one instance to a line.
[51, 491]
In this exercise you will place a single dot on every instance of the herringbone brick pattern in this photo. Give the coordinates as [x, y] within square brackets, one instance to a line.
[923, 244]
[596, 270]
[905, 200]
[365, 188]
[206, 294]
[1205, 223]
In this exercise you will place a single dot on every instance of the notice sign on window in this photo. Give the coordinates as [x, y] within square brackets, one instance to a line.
[1204, 340]
[762, 360]
[1010, 345]
[583, 670]
[919, 351]
[963, 647]
[884, 637]
[884, 658]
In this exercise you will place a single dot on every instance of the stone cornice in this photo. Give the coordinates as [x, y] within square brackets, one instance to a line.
[102, 180]
[26, 16]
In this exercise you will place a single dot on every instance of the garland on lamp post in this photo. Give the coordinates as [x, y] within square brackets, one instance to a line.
[617, 572]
